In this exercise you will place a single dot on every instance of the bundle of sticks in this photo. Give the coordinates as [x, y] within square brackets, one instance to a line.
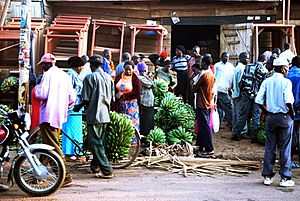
[188, 165]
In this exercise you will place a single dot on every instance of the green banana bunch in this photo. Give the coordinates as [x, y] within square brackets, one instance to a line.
[6, 109]
[119, 136]
[9, 85]
[173, 113]
[169, 101]
[261, 133]
[159, 89]
[84, 128]
[179, 135]
[157, 136]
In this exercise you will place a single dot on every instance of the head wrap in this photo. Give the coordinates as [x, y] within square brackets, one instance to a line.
[142, 66]
[164, 54]
[268, 55]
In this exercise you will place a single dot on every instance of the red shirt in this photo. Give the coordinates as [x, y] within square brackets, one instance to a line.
[35, 113]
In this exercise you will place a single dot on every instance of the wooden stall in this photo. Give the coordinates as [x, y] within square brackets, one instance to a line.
[9, 42]
[286, 31]
[67, 36]
[190, 13]
[110, 37]
[158, 30]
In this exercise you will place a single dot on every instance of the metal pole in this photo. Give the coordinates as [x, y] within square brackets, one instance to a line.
[24, 55]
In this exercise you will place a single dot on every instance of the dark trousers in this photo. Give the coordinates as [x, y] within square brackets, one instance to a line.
[95, 137]
[224, 105]
[146, 120]
[50, 136]
[204, 139]
[182, 85]
[295, 140]
[246, 105]
[279, 133]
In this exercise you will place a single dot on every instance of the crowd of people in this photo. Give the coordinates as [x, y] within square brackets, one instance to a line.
[95, 85]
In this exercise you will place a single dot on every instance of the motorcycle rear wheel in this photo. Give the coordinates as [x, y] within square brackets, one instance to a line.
[52, 179]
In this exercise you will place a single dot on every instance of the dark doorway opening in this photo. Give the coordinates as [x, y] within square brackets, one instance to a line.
[206, 37]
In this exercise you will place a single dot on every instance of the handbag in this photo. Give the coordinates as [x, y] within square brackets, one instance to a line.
[215, 120]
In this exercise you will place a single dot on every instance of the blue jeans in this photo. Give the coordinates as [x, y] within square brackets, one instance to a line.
[224, 105]
[246, 105]
[204, 139]
[279, 132]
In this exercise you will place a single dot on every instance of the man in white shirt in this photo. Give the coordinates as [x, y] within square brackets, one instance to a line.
[287, 53]
[277, 92]
[224, 77]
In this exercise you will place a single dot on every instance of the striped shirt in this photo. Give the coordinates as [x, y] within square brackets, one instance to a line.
[147, 97]
[180, 63]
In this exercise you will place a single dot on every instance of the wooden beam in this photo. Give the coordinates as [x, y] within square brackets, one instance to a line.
[118, 1]
[138, 6]
[10, 35]
[10, 46]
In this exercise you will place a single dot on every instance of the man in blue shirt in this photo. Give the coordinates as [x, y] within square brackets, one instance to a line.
[238, 73]
[294, 76]
[276, 92]
[106, 63]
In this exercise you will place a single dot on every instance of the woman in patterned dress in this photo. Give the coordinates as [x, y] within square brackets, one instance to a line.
[128, 90]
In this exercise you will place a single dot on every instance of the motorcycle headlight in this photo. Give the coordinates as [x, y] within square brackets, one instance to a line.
[16, 126]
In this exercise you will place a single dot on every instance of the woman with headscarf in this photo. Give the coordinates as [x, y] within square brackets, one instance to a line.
[128, 92]
[73, 126]
[147, 100]
[180, 65]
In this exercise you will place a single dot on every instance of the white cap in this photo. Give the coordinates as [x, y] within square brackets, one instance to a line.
[280, 62]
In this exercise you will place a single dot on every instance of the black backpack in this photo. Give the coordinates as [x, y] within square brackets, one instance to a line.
[253, 76]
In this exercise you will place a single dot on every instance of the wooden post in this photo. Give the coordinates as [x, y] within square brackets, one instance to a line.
[292, 40]
[133, 34]
[160, 41]
[283, 11]
[4, 12]
[93, 37]
[288, 12]
[121, 45]
[24, 55]
[256, 43]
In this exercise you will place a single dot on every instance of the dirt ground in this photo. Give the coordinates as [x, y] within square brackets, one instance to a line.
[148, 184]
[228, 149]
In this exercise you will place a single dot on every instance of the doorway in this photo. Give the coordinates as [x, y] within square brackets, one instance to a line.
[205, 36]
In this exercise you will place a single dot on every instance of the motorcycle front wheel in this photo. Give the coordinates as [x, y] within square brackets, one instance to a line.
[53, 173]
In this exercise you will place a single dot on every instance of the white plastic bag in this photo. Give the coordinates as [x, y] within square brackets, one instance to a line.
[215, 120]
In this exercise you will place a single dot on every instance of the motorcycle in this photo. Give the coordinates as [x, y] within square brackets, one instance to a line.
[37, 169]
